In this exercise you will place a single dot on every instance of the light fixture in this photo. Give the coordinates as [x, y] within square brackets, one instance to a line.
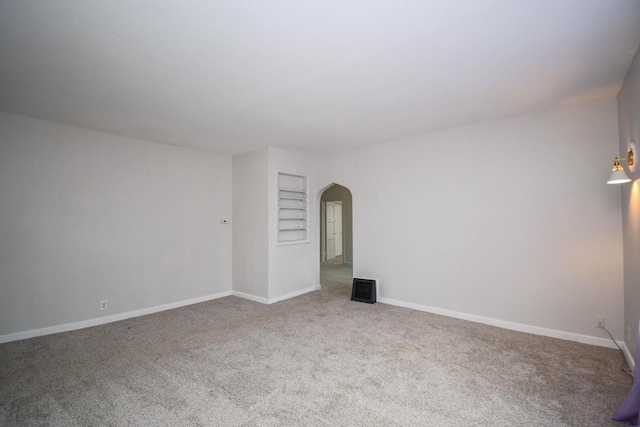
[618, 175]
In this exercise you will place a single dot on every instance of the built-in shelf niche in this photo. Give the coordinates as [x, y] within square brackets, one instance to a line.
[293, 206]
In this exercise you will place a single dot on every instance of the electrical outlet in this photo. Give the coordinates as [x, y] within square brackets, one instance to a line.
[628, 333]
[103, 305]
[599, 322]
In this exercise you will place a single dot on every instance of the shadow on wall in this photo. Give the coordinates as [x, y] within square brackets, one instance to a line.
[342, 194]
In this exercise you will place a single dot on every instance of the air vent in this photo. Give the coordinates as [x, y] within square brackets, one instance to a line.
[364, 290]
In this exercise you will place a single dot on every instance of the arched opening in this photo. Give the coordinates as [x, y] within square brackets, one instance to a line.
[336, 239]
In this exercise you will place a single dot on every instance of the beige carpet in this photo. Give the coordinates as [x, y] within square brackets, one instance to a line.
[318, 359]
[336, 260]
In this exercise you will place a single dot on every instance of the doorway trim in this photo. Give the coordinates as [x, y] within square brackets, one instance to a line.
[318, 215]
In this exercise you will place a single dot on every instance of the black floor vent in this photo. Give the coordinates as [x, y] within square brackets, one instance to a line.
[364, 290]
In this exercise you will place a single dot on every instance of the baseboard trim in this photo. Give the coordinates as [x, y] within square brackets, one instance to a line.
[585, 339]
[628, 355]
[107, 319]
[276, 299]
[250, 297]
[294, 294]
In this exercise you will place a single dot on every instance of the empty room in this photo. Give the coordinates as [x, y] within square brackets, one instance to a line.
[331, 213]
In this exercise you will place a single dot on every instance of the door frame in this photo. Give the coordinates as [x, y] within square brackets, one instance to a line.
[323, 227]
[323, 231]
[318, 219]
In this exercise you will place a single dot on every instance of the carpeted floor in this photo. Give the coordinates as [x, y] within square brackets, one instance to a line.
[318, 359]
[336, 260]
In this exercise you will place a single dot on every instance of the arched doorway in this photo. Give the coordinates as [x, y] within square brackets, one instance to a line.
[336, 239]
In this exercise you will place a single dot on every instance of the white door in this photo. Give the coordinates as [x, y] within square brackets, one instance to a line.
[337, 214]
[331, 230]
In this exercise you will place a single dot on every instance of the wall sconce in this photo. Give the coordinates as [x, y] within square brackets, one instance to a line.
[618, 175]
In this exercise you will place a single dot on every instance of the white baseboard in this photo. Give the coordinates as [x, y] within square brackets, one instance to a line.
[107, 319]
[585, 339]
[628, 355]
[276, 299]
[294, 294]
[250, 297]
[602, 342]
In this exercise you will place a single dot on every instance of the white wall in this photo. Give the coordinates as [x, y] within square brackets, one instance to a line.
[87, 216]
[291, 267]
[263, 269]
[629, 121]
[250, 222]
[508, 219]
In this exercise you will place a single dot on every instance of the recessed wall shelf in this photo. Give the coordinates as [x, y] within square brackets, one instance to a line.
[292, 208]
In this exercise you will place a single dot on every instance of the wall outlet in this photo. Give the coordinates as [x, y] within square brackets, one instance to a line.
[599, 322]
[629, 334]
[103, 305]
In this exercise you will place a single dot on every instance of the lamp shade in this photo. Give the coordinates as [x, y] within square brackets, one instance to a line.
[618, 176]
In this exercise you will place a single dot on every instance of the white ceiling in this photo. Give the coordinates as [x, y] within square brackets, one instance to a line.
[323, 76]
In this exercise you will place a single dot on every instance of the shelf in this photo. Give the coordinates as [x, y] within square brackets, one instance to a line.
[292, 202]
[292, 191]
[293, 224]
